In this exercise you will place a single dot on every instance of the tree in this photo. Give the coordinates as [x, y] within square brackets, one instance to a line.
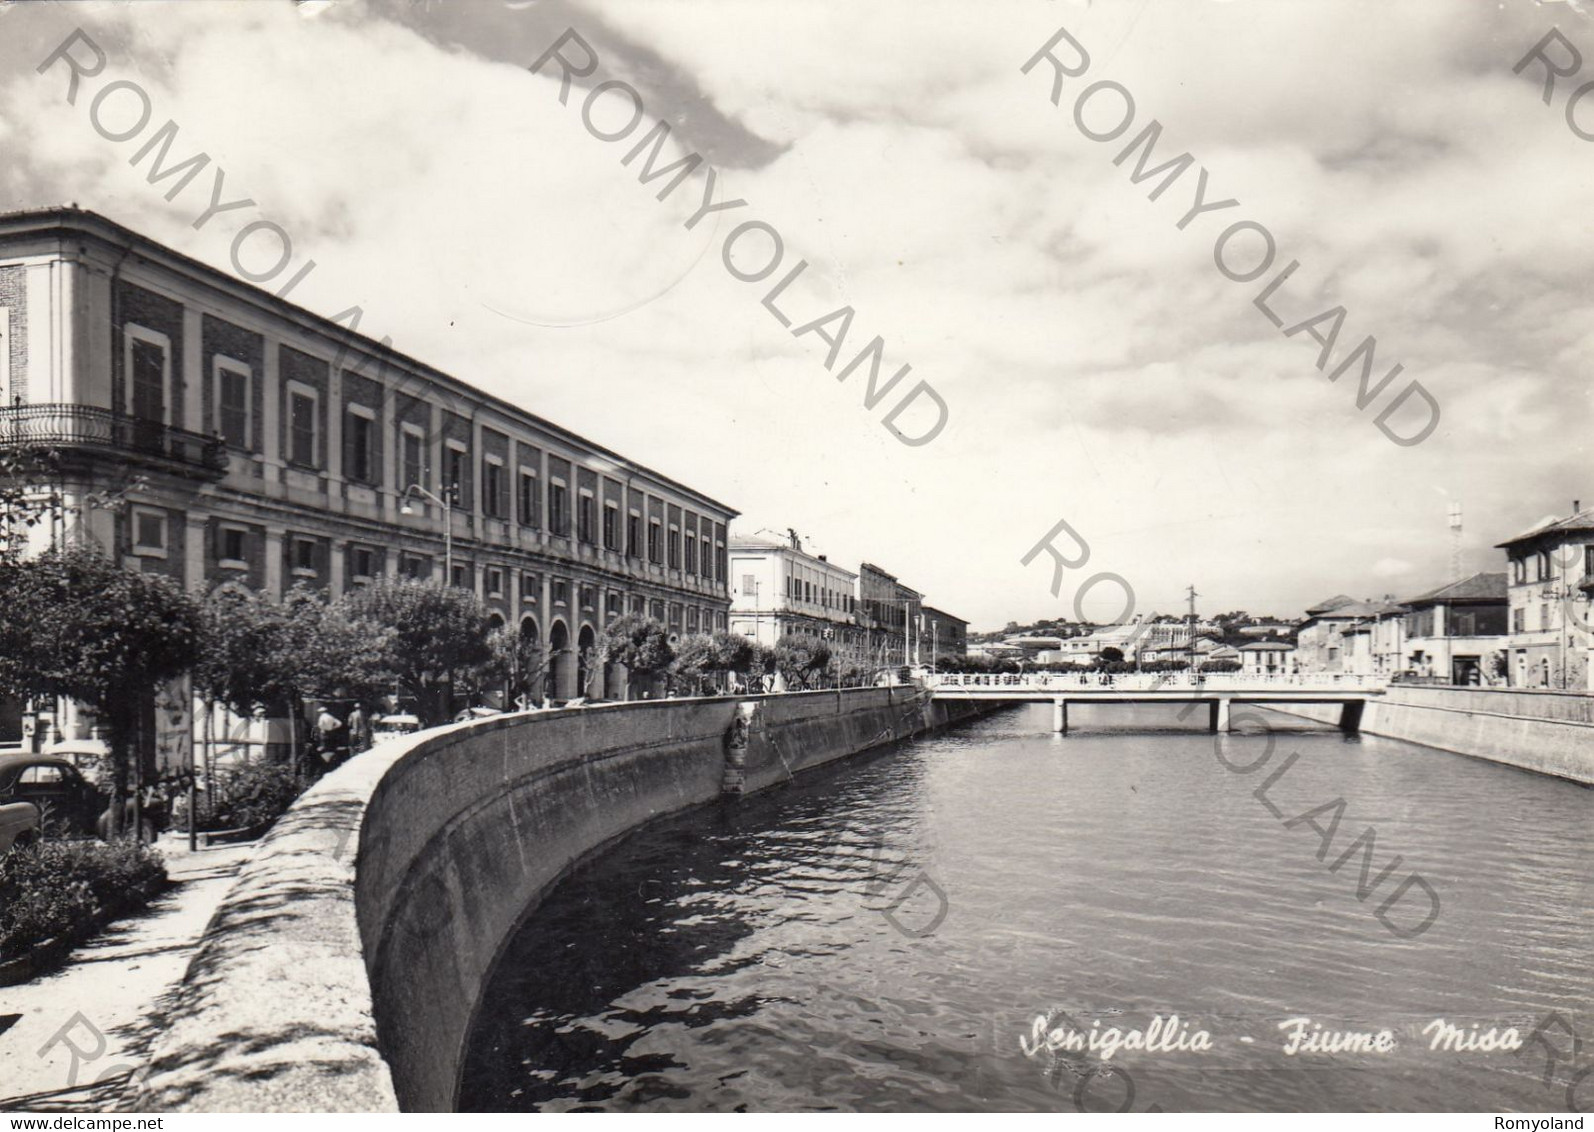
[75, 624]
[732, 652]
[1110, 655]
[640, 643]
[436, 631]
[518, 665]
[260, 654]
[693, 661]
[798, 658]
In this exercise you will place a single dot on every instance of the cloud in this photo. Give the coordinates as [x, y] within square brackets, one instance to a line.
[1097, 365]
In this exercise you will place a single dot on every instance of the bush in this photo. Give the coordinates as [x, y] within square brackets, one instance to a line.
[67, 889]
[241, 798]
[252, 795]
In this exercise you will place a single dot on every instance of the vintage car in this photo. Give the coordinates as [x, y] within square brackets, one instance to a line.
[68, 803]
[19, 826]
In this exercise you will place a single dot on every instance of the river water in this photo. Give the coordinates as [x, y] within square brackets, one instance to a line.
[882, 933]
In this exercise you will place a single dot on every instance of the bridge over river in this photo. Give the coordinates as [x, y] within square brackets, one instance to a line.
[1220, 691]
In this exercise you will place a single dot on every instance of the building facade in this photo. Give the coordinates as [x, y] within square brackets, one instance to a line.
[942, 634]
[889, 612]
[1456, 632]
[270, 446]
[1267, 658]
[1550, 581]
[777, 588]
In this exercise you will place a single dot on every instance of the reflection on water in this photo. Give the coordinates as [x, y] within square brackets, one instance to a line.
[740, 957]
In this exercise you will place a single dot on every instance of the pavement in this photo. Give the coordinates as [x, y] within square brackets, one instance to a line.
[72, 1039]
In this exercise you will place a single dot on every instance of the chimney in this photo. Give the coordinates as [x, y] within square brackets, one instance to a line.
[1577, 506]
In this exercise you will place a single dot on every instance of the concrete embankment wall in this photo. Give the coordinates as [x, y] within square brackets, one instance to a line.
[1544, 731]
[360, 935]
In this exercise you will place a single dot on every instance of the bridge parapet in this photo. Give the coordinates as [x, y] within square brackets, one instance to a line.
[1235, 682]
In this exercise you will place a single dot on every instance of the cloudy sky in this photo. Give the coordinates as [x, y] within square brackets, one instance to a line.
[1095, 363]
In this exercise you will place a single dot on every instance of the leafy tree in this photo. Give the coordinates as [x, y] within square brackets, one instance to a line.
[75, 624]
[798, 658]
[1111, 655]
[640, 643]
[436, 631]
[519, 665]
[732, 652]
[259, 654]
[693, 661]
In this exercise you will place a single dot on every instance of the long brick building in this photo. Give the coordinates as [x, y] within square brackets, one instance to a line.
[276, 446]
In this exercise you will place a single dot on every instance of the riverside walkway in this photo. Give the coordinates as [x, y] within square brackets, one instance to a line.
[1220, 691]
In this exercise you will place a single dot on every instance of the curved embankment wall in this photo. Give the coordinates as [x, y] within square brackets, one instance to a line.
[1549, 732]
[360, 934]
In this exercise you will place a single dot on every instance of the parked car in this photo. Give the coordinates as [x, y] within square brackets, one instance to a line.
[67, 801]
[398, 723]
[19, 826]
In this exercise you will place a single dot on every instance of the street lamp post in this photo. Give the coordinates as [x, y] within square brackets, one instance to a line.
[446, 502]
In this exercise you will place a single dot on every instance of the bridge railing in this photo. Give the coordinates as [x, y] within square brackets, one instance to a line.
[1159, 681]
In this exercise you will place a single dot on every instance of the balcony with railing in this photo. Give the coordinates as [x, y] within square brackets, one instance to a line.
[68, 428]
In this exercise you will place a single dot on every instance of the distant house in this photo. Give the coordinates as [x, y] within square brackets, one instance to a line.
[1267, 658]
[1452, 631]
[943, 634]
[1320, 644]
[1548, 589]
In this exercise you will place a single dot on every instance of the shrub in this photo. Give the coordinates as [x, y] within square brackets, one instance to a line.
[252, 795]
[67, 889]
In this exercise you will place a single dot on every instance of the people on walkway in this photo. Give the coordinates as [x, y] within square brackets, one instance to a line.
[327, 726]
[359, 731]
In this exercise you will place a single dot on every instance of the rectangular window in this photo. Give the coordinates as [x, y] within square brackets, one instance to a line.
[416, 566]
[149, 532]
[494, 503]
[749, 585]
[612, 605]
[704, 567]
[230, 547]
[413, 453]
[530, 589]
[589, 597]
[359, 442]
[691, 619]
[1588, 562]
[559, 509]
[493, 576]
[656, 610]
[148, 362]
[691, 555]
[675, 547]
[584, 517]
[362, 563]
[462, 576]
[528, 498]
[454, 464]
[230, 389]
[304, 557]
[611, 526]
[561, 592]
[633, 535]
[655, 551]
[303, 425]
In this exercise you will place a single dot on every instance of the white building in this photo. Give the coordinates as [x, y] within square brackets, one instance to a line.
[777, 588]
[1267, 658]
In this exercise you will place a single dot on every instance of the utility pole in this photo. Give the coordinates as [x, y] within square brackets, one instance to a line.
[1189, 644]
